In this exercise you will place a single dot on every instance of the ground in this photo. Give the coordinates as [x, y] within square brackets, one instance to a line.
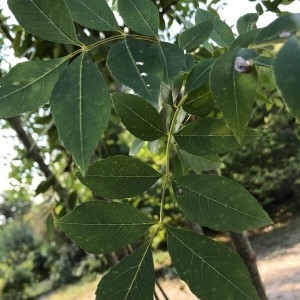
[278, 259]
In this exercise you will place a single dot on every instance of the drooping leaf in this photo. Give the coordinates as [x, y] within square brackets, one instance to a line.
[119, 177]
[199, 74]
[199, 102]
[218, 203]
[234, 90]
[210, 136]
[29, 85]
[199, 163]
[136, 146]
[139, 117]
[287, 74]
[195, 36]
[211, 269]
[100, 227]
[132, 278]
[93, 14]
[137, 64]
[172, 60]
[140, 16]
[49, 20]
[247, 22]
[279, 30]
[81, 106]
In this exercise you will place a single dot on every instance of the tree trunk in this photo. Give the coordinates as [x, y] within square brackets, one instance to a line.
[242, 246]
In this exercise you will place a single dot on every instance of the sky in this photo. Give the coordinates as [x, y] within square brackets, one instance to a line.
[230, 13]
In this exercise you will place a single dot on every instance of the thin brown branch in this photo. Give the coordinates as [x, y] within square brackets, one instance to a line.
[6, 32]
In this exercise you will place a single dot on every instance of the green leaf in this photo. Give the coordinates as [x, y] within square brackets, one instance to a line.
[132, 278]
[210, 136]
[137, 64]
[119, 177]
[245, 39]
[199, 74]
[247, 22]
[172, 59]
[45, 185]
[93, 14]
[100, 227]
[195, 36]
[29, 85]
[140, 16]
[287, 74]
[234, 90]
[189, 63]
[139, 117]
[199, 102]
[218, 203]
[49, 20]
[279, 30]
[197, 163]
[81, 106]
[211, 269]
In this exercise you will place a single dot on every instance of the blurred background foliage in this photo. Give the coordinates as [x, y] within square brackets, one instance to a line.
[33, 250]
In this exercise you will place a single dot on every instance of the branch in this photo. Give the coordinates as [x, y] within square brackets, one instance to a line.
[6, 32]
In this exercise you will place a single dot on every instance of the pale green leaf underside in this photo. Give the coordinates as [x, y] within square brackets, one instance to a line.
[29, 85]
[100, 227]
[218, 203]
[93, 14]
[211, 270]
[233, 91]
[210, 136]
[137, 64]
[247, 22]
[49, 20]
[81, 106]
[286, 70]
[140, 16]
[120, 177]
[139, 117]
[131, 279]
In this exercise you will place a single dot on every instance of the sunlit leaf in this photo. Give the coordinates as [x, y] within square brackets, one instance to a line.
[29, 85]
[211, 270]
[286, 71]
[100, 227]
[93, 14]
[49, 20]
[247, 22]
[119, 177]
[199, 74]
[210, 136]
[132, 278]
[218, 203]
[137, 64]
[139, 117]
[195, 36]
[234, 88]
[81, 106]
[140, 16]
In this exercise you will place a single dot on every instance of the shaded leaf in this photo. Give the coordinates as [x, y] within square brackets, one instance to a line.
[119, 177]
[199, 74]
[100, 227]
[199, 163]
[139, 117]
[93, 14]
[195, 36]
[245, 39]
[218, 203]
[234, 90]
[140, 16]
[29, 85]
[132, 278]
[137, 64]
[189, 63]
[81, 106]
[211, 270]
[247, 22]
[172, 59]
[210, 136]
[49, 20]
[45, 185]
[136, 146]
[287, 74]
